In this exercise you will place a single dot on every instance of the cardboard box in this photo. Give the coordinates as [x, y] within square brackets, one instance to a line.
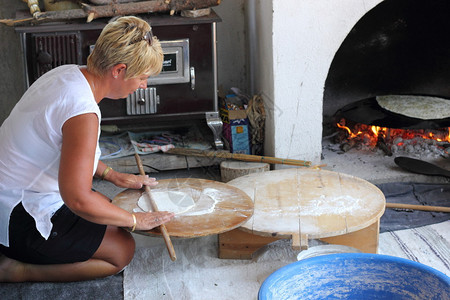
[236, 130]
[235, 124]
[228, 116]
[237, 134]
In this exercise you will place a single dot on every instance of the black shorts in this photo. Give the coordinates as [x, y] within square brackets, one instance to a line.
[72, 239]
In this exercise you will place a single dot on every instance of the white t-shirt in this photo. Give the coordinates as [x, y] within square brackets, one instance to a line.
[30, 145]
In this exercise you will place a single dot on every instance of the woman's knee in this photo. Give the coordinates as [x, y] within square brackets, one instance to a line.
[127, 247]
[117, 247]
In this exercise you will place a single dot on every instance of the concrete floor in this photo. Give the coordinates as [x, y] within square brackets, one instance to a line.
[112, 287]
[378, 168]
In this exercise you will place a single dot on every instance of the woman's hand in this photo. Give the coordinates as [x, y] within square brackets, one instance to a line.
[150, 220]
[131, 181]
[134, 181]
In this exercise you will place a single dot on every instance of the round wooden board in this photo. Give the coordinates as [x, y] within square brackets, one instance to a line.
[218, 208]
[311, 202]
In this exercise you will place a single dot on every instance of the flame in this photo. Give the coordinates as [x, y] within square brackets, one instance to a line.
[351, 134]
[376, 131]
[446, 139]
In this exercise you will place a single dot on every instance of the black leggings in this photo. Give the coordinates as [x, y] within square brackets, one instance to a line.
[72, 239]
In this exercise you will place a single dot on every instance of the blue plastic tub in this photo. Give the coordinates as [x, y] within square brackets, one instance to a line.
[356, 276]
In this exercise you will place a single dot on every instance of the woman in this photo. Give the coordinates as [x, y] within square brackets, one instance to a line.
[53, 226]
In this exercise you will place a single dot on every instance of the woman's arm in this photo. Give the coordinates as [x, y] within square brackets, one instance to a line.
[123, 180]
[75, 179]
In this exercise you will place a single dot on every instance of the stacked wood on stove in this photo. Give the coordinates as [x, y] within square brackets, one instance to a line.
[108, 8]
[93, 9]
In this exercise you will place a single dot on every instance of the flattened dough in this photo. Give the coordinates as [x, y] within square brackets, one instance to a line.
[422, 107]
[176, 202]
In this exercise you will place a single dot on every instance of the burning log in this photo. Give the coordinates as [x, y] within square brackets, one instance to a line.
[348, 145]
[93, 12]
[381, 144]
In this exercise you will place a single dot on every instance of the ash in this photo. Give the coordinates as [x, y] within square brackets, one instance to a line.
[374, 165]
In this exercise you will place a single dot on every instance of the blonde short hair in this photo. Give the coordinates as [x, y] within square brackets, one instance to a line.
[122, 41]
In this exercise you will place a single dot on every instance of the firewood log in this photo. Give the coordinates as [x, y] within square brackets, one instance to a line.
[34, 6]
[93, 12]
[383, 146]
[109, 2]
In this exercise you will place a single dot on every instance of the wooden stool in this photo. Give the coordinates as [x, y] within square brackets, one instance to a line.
[230, 169]
[306, 204]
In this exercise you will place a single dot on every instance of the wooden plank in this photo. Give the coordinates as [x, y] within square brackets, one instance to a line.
[237, 244]
[365, 239]
[80, 24]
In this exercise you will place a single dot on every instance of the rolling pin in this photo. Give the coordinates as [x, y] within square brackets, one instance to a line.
[239, 156]
[418, 207]
[162, 227]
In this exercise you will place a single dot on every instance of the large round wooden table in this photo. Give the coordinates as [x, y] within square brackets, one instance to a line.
[302, 204]
[218, 207]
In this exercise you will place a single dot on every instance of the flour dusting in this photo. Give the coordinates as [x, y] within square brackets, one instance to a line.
[176, 202]
[209, 199]
[337, 205]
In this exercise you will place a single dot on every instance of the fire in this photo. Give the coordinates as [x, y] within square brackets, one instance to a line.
[394, 139]
[404, 133]
[444, 139]
[351, 134]
[376, 130]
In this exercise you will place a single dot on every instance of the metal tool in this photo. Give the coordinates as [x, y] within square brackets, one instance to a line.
[215, 123]
[420, 166]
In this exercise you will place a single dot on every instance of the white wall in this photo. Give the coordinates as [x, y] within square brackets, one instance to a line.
[263, 68]
[298, 50]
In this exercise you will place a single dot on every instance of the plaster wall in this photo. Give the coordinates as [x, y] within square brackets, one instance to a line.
[263, 66]
[306, 35]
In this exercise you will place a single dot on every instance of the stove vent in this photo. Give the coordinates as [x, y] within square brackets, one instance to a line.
[143, 102]
[55, 49]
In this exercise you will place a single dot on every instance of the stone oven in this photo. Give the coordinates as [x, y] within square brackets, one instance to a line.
[388, 75]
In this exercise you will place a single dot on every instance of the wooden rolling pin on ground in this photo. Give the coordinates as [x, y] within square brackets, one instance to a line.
[238, 156]
[418, 207]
